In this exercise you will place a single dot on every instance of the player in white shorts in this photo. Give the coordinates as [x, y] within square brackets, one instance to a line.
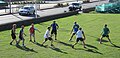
[80, 37]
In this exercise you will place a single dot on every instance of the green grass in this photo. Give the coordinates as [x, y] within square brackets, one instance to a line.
[92, 24]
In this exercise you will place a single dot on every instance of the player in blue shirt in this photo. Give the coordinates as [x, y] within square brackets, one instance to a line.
[74, 30]
[21, 37]
[54, 26]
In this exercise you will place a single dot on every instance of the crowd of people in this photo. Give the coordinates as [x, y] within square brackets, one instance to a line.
[76, 30]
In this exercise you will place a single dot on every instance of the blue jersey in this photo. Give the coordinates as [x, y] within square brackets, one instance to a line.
[75, 27]
[54, 26]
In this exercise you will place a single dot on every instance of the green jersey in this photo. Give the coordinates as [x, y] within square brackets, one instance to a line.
[106, 31]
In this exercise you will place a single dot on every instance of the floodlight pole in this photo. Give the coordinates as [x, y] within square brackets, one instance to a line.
[10, 6]
[35, 9]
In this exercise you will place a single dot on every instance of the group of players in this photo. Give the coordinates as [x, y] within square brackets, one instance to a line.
[76, 30]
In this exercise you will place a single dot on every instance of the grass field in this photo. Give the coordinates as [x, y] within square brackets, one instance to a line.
[92, 24]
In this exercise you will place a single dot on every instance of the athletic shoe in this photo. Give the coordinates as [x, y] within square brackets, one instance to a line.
[34, 41]
[41, 44]
[73, 46]
[70, 40]
[52, 45]
[17, 44]
[30, 40]
[10, 43]
[84, 47]
[23, 45]
[100, 42]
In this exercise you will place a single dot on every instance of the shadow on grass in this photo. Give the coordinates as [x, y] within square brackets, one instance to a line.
[102, 40]
[113, 45]
[93, 51]
[98, 39]
[66, 44]
[70, 45]
[25, 48]
[53, 48]
[38, 44]
[89, 50]
[91, 46]
[58, 50]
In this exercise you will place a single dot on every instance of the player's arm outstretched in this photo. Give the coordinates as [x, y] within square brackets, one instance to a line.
[71, 31]
[84, 35]
[57, 26]
[24, 34]
[38, 30]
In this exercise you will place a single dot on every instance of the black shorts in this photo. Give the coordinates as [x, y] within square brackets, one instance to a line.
[54, 32]
[79, 39]
[13, 36]
[105, 35]
[49, 38]
[21, 38]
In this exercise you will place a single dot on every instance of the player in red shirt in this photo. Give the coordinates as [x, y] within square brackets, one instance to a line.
[32, 32]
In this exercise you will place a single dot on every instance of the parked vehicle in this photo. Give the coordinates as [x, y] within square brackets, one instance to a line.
[27, 10]
[75, 6]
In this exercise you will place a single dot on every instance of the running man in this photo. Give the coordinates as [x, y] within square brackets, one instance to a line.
[80, 36]
[105, 33]
[13, 33]
[74, 30]
[47, 36]
[21, 37]
[32, 32]
[54, 26]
